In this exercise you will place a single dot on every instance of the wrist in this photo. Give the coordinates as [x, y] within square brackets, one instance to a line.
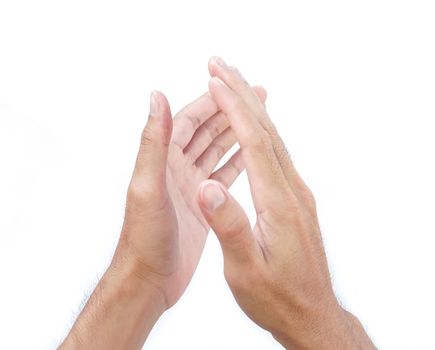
[119, 314]
[132, 282]
[325, 327]
[359, 334]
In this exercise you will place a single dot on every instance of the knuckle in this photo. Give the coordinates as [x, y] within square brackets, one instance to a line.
[136, 195]
[143, 196]
[282, 154]
[237, 106]
[300, 219]
[212, 130]
[235, 228]
[236, 167]
[147, 137]
[264, 140]
[291, 201]
[289, 207]
[193, 120]
[288, 210]
[251, 278]
[219, 150]
[309, 199]
[260, 139]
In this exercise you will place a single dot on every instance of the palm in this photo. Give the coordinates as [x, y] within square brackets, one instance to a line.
[201, 136]
[182, 181]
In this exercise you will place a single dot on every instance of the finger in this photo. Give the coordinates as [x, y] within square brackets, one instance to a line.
[214, 153]
[261, 92]
[229, 172]
[266, 179]
[191, 117]
[150, 168]
[295, 181]
[207, 132]
[234, 79]
[229, 221]
[205, 135]
[153, 150]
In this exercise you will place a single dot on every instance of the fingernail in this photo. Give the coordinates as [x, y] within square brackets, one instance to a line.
[212, 195]
[220, 62]
[154, 104]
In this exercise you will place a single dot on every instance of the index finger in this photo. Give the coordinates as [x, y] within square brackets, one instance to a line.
[265, 175]
[236, 82]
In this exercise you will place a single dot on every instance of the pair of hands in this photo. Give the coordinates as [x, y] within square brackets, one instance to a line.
[277, 270]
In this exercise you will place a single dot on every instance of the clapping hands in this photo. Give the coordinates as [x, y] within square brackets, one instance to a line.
[277, 270]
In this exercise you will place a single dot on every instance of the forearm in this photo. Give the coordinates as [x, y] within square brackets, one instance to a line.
[119, 314]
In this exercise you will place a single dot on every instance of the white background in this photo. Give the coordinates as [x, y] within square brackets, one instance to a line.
[351, 88]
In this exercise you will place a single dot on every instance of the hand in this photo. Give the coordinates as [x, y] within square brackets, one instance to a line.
[277, 271]
[164, 231]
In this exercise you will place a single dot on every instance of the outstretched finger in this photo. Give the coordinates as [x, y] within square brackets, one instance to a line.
[191, 117]
[230, 171]
[205, 135]
[265, 175]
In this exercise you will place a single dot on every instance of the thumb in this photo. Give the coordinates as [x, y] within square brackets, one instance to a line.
[150, 168]
[228, 220]
[149, 175]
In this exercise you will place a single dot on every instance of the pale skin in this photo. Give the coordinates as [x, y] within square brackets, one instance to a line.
[277, 270]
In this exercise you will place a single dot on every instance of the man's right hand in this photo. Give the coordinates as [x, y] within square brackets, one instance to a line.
[277, 271]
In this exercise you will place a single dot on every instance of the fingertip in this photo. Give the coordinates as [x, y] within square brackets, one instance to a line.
[162, 101]
[154, 103]
[260, 92]
[214, 64]
[160, 111]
